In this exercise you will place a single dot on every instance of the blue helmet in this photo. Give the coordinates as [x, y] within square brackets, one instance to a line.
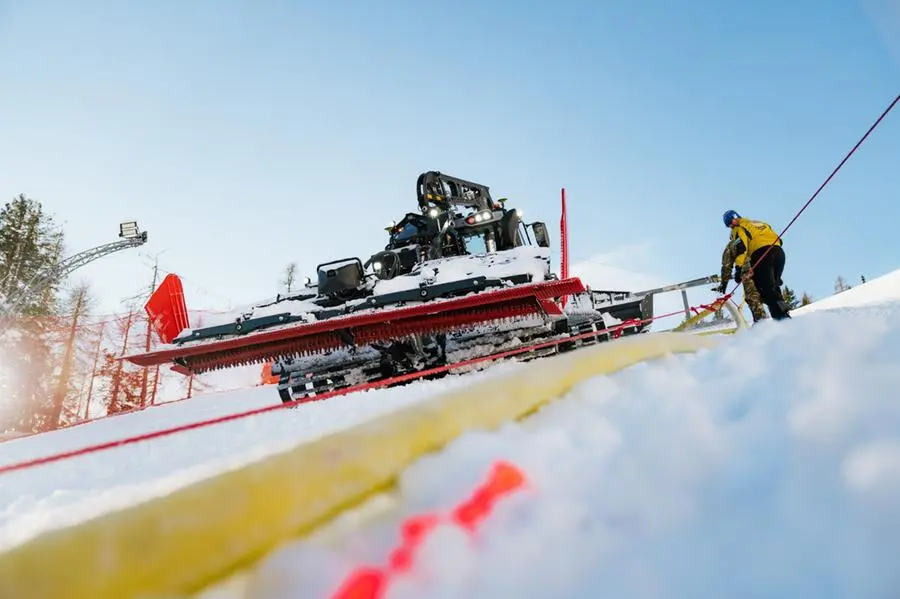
[729, 216]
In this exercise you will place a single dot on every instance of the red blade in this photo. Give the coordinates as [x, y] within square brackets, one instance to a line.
[167, 310]
[364, 328]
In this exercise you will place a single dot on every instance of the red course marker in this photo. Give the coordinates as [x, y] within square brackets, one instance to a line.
[369, 582]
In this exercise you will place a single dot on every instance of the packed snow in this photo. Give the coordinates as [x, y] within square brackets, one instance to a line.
[768, 466]
[884, 290]
[65, 492]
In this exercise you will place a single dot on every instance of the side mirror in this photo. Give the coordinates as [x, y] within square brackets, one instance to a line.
[541, 236]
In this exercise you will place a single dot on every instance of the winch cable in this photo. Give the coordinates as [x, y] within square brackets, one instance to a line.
[874, 125]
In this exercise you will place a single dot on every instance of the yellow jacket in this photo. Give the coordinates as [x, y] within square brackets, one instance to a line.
[754, 234]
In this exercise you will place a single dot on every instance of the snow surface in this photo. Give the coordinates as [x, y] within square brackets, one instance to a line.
[766, 467]
[71, 490]
[769, 467]
[882, 290]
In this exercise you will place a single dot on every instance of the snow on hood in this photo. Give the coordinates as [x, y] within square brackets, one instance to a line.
[531, 260]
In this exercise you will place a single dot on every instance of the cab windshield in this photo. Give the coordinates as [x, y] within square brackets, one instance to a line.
[408, 232]
[413, 228]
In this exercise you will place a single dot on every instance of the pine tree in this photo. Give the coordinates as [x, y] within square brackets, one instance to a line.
[790, 297]
[30, 247]
[806, 299]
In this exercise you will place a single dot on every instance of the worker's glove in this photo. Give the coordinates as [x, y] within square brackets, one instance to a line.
[737, 274]
[722, 287]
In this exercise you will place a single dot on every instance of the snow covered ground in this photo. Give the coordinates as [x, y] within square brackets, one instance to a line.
[880, 291]
[767, 467]
[64, 492]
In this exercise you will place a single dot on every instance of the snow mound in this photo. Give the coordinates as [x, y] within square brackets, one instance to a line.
[884, 289]
[767, 467]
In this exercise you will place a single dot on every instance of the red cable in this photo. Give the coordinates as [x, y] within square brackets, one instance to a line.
[822, 186]
[615, 331]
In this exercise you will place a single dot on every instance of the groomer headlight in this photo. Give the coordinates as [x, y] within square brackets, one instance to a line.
[433, 212]
[486, 215]
[376, 266]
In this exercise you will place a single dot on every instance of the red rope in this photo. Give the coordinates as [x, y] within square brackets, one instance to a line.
[327, 395]
[614, 331]
[620, 328]
[824, 183]
[718, 303]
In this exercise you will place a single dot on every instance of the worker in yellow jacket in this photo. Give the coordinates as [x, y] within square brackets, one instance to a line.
[764, 256]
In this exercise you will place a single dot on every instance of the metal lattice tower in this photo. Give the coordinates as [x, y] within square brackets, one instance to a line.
[131, 236]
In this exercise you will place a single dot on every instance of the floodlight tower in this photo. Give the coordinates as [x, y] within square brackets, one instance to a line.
[131, 236]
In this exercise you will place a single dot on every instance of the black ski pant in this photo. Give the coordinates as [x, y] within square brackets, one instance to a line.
[767, 278]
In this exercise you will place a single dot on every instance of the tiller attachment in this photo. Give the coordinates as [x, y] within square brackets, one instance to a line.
[274, 337]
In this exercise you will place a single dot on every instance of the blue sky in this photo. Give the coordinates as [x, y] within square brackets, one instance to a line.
[245, 135]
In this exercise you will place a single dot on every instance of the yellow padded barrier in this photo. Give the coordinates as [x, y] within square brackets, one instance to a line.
[736, 312]
[182, 542]
[684, 326]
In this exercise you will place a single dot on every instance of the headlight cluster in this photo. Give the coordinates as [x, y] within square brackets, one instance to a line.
[479, 217]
